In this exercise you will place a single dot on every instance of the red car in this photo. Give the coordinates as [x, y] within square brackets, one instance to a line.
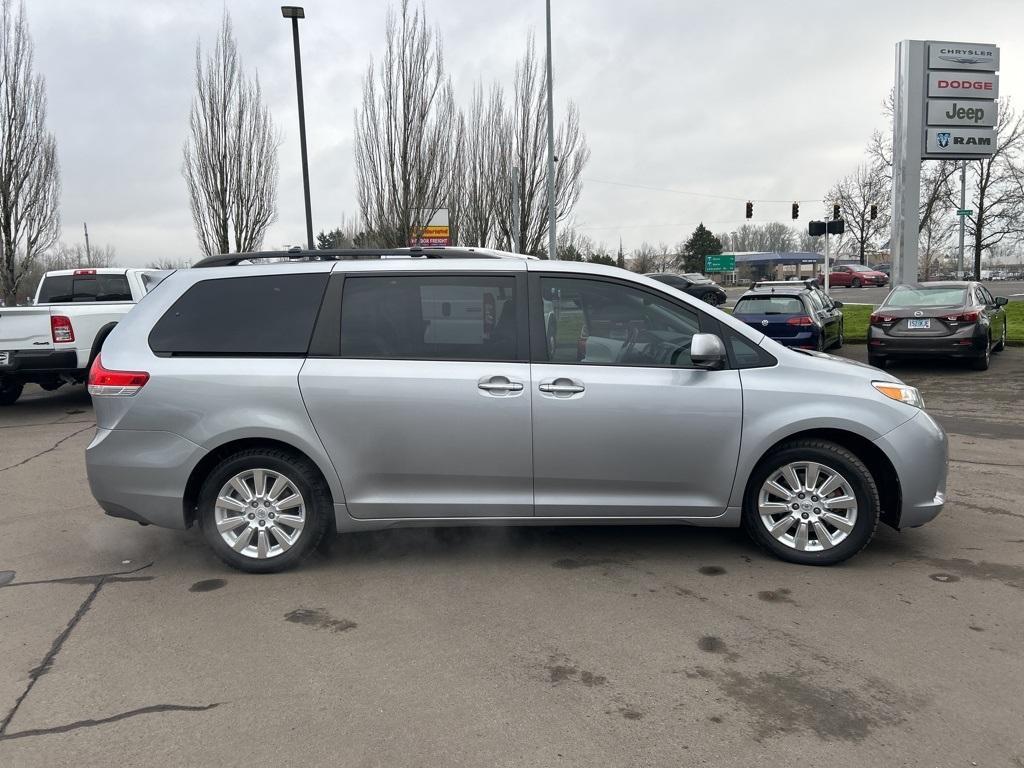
[853, 276]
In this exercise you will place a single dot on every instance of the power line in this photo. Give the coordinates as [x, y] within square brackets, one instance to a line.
[700, 194]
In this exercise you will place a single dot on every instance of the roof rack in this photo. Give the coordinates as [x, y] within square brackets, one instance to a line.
[353, 254]
[809, 282]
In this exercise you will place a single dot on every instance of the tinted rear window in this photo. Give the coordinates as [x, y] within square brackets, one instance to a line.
[769, 305]
[64, 289]
[926, 297]
[261, 316]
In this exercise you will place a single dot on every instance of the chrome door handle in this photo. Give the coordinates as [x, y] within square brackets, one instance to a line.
[557, 388]
[498, 384]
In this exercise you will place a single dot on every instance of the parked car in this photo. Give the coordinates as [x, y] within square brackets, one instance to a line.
[795, 314]
[272, 403]
[694, 284]
[938, 319]
[885, 269]
[853, 276]
[55, 341]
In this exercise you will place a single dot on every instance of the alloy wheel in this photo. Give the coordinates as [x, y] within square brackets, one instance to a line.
[807, 506]
[260, 513]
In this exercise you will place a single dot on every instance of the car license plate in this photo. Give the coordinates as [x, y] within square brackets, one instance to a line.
[927, 323]
[5, 358]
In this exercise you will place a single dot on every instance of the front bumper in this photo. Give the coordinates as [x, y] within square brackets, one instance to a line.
[141, 475]
[919, 450]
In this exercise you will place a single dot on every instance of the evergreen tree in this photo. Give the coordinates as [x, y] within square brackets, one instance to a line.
[701, 243]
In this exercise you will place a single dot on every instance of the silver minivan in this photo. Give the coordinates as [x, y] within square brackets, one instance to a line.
[272, 403]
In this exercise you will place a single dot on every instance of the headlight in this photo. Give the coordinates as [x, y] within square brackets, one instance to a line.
[900, 392]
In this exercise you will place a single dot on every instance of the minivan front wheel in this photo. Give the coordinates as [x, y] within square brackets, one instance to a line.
[262, 510]
[811, 502]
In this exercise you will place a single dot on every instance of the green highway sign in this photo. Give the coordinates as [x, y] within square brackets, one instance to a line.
[964, 212]
[719, 263]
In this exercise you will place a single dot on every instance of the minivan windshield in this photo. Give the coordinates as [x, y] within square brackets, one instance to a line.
[926, 297]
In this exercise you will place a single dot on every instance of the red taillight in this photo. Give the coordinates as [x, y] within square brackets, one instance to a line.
[877, 319]
[61, 330]
[800, 320]
[106, 382]
[85, 271]
[966, 317]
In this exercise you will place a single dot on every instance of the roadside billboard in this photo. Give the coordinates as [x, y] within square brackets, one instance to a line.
[435, 233]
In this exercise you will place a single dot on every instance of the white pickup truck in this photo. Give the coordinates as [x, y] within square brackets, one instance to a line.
[55, 341]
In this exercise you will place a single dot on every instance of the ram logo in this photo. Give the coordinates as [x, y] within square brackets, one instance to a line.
[943, 139]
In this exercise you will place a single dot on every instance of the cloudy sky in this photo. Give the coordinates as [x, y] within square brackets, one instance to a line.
[744, 99]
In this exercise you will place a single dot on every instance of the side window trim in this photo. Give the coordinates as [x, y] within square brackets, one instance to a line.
[538, 334]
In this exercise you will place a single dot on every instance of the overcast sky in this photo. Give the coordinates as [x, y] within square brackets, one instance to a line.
[747, 99]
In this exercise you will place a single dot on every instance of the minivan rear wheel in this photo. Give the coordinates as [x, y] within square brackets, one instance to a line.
[811, 502]
[262, 510]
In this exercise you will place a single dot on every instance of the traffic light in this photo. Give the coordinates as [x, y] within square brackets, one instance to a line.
[874, 212]
[796, 210]
[835, 211]
[750, 210]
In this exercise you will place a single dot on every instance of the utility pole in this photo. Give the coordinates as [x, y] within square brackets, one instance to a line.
[963, 219]
[88, 253]
[552, 235]
[516, 212]
[828, 268]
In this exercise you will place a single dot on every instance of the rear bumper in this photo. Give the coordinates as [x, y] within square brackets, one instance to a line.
[919, 450]
[965, 343]
[141, 475]
[25, 362]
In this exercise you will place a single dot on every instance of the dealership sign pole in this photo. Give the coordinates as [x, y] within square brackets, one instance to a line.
[945, 110]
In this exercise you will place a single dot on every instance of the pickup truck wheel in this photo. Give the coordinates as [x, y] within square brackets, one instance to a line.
[262, 510]
[811, 502]
[10, 391]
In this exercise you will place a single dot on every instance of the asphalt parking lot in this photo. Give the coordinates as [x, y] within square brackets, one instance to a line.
[658, 646]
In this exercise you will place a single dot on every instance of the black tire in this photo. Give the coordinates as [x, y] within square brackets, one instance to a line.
[1001, 344]
[10, 391]
[306, 479]
[855, 283]
[877, 362]
[837, 458]
[982, 363]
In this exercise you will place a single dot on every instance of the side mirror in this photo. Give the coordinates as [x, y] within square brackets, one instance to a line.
[837, 304]
[1001, 301]
[707, 351]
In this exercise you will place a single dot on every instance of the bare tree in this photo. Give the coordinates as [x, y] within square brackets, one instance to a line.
[935, 241]
[856, 194]
[935, 174]
[230, 156]
[523, 146]
[29, 173]
[994, 190]
[406, 131]
[481, 176]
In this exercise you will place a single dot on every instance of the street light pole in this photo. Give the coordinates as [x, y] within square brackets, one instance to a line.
[552, 235]
[295, 13]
